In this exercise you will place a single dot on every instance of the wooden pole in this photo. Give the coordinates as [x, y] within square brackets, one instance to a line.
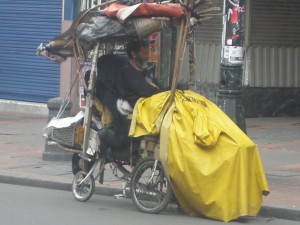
[177, 62]
[90, 101]
[179, 55]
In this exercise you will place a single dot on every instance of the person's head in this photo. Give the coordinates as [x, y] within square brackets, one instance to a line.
[138, 50]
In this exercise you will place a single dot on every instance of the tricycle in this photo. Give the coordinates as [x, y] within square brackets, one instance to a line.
[94, 35]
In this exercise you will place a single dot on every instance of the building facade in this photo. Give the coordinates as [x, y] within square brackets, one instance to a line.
[271, 71]
[271, 68]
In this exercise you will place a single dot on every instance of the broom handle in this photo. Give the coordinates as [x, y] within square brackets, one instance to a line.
[176, 66]
[178, 58]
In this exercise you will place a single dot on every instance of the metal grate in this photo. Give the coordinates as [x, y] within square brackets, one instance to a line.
[64, 136]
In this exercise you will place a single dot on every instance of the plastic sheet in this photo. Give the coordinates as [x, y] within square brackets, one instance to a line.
[102, 28]
[214, 168]
[99, 28]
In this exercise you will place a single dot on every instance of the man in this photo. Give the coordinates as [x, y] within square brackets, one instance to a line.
[133, 80]
[132, 83]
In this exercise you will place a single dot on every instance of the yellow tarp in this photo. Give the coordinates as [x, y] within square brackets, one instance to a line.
[214, 168]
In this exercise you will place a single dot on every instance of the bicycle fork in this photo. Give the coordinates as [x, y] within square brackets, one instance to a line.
[153, 171]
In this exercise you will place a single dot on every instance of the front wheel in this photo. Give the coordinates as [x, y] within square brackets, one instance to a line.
[83, 191]
[150, 190]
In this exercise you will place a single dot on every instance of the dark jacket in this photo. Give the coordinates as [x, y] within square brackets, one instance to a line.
[132, 84]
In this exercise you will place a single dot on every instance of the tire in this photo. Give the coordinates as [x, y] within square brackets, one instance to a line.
[84, 191]
[150, 197]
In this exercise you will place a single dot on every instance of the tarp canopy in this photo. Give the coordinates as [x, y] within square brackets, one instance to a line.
[214, 168]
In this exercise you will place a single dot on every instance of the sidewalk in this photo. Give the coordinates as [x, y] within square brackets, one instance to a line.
[278, 139]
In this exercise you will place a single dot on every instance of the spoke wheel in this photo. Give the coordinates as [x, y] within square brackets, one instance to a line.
[83, 192]
[150, 195]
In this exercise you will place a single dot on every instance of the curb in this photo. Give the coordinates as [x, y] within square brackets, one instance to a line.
[103, 190]
[23, 107]
[35, 183]
[266, 210]
[280, 212]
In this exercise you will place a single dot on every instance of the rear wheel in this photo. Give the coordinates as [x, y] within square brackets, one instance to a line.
[83, 191]
[150, 195]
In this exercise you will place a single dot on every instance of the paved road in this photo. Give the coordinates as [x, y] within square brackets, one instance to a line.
[22, 147]
[35, 206]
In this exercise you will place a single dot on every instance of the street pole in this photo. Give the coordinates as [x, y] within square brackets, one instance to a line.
[229, 97]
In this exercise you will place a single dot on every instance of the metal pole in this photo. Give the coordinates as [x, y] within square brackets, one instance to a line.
[229, 97]
[90, 101]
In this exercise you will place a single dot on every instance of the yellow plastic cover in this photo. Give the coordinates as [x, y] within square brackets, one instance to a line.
[214, 168]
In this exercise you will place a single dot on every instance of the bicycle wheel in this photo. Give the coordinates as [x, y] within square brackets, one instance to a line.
[150, 195]
[83, 192]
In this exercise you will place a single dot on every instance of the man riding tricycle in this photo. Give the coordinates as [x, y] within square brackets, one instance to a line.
[161, 139]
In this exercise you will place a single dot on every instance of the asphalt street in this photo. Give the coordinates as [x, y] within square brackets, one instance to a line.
[22, 147]
[35, 206]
